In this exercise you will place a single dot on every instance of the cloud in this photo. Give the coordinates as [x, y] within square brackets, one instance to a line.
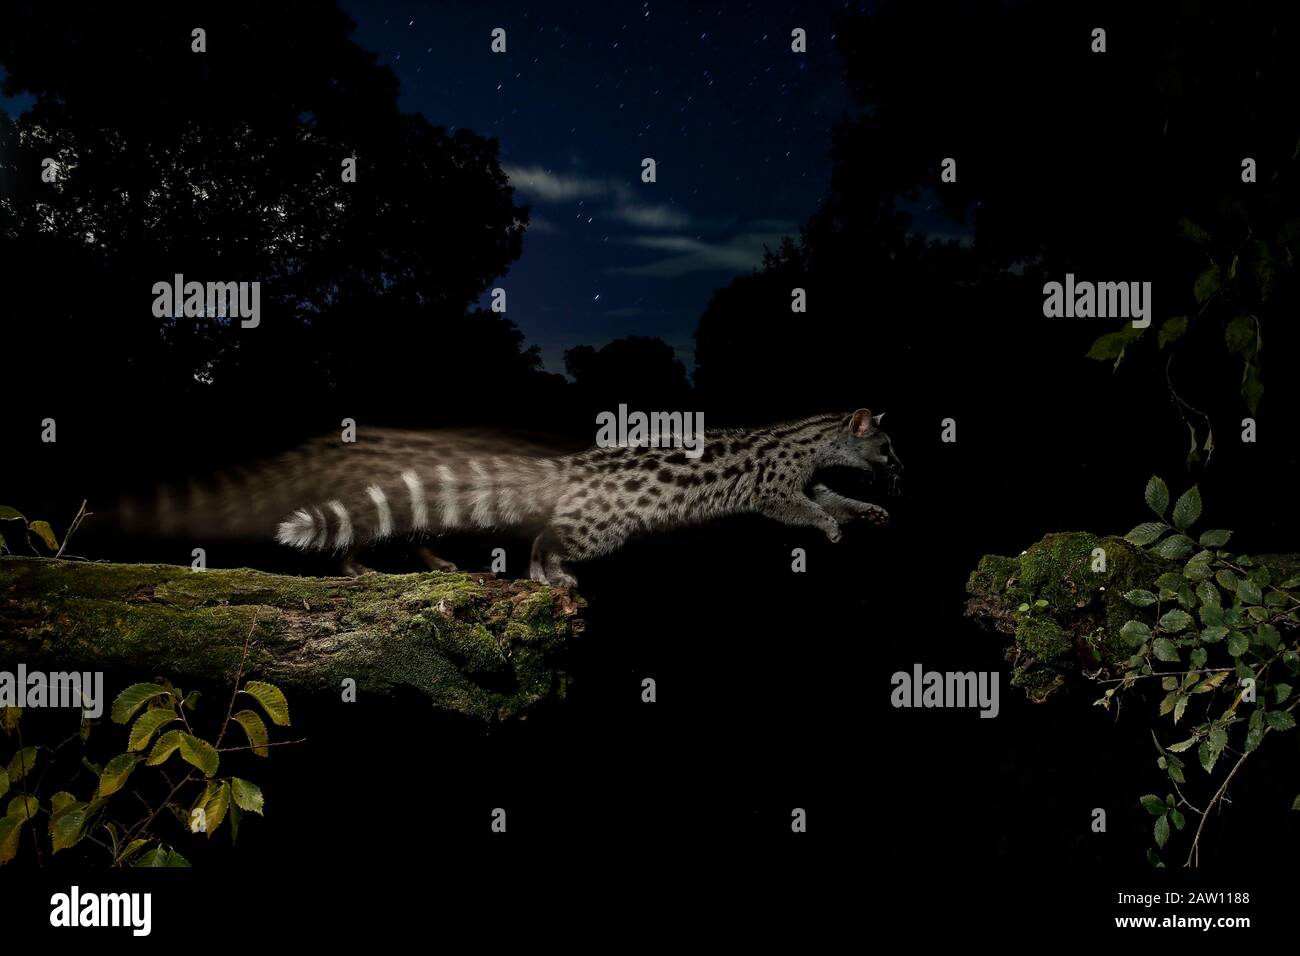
[538, 224]
[740, 253]
[544, 186]
[552, 187]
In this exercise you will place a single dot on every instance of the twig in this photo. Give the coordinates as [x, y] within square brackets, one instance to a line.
[76, 523]
[273, 743]
[239, 675]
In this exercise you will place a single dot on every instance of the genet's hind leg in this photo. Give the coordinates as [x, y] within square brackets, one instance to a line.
[352, 567]
[547, 561]
[432, 561]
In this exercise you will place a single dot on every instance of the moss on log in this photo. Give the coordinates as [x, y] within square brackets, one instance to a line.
[476, 645]
[1078, 628]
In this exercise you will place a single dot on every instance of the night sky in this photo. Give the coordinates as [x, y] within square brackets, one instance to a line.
[737, 122]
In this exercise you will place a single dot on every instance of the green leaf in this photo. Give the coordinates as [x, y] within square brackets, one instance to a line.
[1196, 570]
[164, 747]
[1140, 598]
[60, 802]
[147, 724]
[1252, 387]
[1227, 580]
[1162, 830]
[1174, 547]
[24, 806]
[4, 781]
[1256, 732]
[1207, 283]
[1146, 532]
[1279, 720]
[1239, 335]
[132, 699]
[114, 776]
[272, 700]
[1190, 230]
[10, 829]
[1211, 682]
[1157, 495]
[1171, 330]
[1269, 636]
[1179, 820]
[159, 856]
[66, 830]
[1135, 632]
[1187, 509]
[255, 730]
[1164, 649]
[1207, 593]
[1182, 745]
[1112, 344]
[191, 700]
[1212, 635]
[9, 514]
[21, 764]
[1208, 756]
[199, 753]
[215, 801]
[46, 533]
[1197, 657]
[1296, 803]
[1175, 620]
[1281, 692]
[1215, 538]
[1238, 643]
[1154, 805]
[1249, 591]
[248, 796]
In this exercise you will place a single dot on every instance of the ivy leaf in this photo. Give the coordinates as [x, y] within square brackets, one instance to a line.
[1171, 330]
[1162, 830]
[1187, 509]
[199, 753]
[1157, 495]
[1174, 547]
[1175, 621]
[1215, 538]
[132, 699]
[272, 700]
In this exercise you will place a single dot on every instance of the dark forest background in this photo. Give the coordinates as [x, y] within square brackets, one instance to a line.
[773, 686]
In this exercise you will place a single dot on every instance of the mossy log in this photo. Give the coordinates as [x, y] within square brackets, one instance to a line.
[1078, 628]
[476, 645]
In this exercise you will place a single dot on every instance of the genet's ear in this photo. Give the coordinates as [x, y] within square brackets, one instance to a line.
[878, 419]
[860, 423]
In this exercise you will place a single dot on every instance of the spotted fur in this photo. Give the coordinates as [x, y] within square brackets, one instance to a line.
[585, 505]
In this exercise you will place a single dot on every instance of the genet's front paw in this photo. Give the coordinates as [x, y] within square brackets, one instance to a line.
[876, 515]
